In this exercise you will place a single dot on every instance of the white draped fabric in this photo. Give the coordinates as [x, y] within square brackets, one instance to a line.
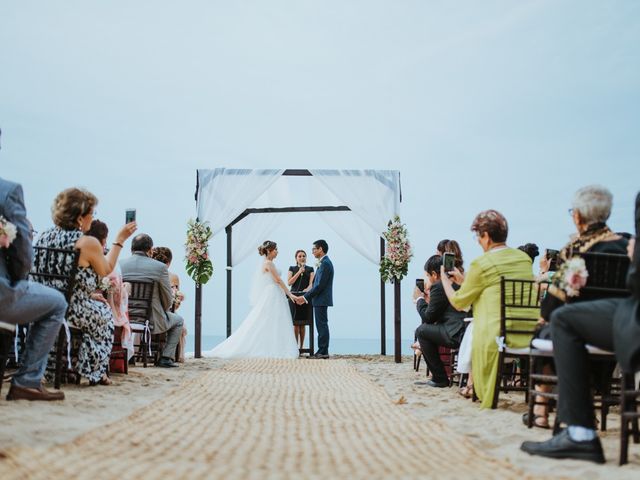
[224, 193]
[372, 195]
[248, 233]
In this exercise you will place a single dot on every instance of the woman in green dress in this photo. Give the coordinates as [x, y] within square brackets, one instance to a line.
[481, 289]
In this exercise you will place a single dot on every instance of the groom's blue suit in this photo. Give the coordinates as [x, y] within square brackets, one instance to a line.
[321, 296]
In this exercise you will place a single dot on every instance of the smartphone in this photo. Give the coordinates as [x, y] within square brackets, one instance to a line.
[449, 261]
[552, 256]
[130, 215]
[420, 284]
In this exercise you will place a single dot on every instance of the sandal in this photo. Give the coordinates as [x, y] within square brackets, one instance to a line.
[103, 381]
[466, 392]
[544, 423]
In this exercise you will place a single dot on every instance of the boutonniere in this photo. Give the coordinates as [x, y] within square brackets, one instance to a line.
[8, 232]
[318, 263]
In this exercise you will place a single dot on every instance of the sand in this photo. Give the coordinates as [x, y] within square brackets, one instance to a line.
[298, 419]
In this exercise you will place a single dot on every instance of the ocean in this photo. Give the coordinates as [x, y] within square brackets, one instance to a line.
[342, 346]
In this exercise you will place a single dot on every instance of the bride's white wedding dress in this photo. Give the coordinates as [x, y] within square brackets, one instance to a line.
[267, 331]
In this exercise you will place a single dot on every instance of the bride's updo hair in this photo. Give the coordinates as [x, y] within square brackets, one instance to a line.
[267, 247]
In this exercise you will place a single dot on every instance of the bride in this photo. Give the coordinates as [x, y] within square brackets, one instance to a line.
[267, 331]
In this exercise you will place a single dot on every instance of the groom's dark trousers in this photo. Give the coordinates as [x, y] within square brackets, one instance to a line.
[321, 296]
[322, 326]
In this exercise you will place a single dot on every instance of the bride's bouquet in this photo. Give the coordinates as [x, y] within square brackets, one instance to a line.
[8, 232]
[199, 266]
[395, 263]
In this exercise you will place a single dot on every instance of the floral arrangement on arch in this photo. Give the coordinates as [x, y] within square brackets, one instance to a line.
[8, 232]
[199, 266]
[395, 263]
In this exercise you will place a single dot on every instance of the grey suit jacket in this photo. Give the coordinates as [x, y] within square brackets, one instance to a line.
[15, 261]
[141, 267]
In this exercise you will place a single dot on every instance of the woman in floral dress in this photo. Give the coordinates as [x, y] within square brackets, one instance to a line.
[72, 212]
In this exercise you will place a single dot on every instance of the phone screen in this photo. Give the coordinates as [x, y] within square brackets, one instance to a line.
[130, 215]
[449, 261]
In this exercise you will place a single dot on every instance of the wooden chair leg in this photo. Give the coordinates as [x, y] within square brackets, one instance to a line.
[57, 381]
[496, 391]
[5, 349]
[624, 423]
[532, 387]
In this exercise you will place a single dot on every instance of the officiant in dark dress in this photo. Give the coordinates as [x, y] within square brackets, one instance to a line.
[300, 279]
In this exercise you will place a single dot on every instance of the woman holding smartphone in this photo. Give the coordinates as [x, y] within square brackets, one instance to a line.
[300, 279]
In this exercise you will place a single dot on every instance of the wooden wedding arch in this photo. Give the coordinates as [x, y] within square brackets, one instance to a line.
[253, 211]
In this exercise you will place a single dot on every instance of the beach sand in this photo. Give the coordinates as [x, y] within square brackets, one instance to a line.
[432, 413]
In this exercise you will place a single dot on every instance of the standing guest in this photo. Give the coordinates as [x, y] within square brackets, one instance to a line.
[611, 324]
[300, 279]
[140, 266]
[481, 288]
[442, 325]
[72, 212]
[23, 302]
[164, 255]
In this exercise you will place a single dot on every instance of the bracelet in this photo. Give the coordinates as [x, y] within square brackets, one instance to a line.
[117, 244]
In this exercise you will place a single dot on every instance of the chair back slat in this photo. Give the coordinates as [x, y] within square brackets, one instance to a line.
[607, 276]
[140, 300]
[519, 307]
[56, 268]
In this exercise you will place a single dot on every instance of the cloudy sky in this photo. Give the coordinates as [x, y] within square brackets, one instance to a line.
[494, 104]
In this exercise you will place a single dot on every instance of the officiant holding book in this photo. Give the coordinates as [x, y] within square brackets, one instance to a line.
[300, 279]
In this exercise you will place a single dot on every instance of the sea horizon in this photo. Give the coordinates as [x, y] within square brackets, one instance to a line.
[338, 346]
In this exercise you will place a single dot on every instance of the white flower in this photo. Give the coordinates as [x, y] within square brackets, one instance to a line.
[8, 232]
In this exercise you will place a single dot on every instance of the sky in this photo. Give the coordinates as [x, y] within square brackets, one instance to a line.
[494, 104]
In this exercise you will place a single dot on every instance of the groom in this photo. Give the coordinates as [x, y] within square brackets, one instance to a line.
[321, 296]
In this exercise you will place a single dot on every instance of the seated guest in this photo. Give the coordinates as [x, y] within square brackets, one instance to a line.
[442, 325]
[164, 255]
[530, 249]
[73, 211]
[591, 207]
[114, 290]
[481, 288]
[140, 266]
[23, 302]
[100, 231]
[608, 324]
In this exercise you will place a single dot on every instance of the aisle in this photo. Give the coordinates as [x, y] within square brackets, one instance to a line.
[265, 419]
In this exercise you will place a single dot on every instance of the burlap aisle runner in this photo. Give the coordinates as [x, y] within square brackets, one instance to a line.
[265, 419]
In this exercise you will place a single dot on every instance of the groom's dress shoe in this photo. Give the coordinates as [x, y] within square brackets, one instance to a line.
[21, 393]
[321, 355]
[562, 446]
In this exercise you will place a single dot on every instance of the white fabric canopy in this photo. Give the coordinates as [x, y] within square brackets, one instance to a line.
[372, 195]
[224, 193]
